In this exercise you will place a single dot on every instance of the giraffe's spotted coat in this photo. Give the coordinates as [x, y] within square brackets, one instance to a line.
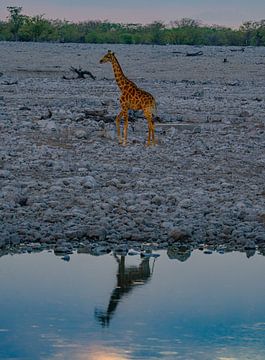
[132, 98]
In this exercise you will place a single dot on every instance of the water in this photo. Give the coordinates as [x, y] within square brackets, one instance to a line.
[106, 308]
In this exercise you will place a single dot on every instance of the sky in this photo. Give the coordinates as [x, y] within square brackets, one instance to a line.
[223, 12]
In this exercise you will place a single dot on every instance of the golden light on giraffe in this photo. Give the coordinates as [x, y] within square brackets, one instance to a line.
[132, 98]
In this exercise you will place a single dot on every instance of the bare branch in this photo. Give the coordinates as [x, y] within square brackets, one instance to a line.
[81, 73]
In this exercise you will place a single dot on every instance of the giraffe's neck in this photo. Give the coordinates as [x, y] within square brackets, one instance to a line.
[121, 79]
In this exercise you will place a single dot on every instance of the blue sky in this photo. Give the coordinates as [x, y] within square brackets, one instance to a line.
[224, 12]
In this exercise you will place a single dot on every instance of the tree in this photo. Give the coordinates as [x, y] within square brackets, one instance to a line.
[183, 31]
[185, 22]
[152, 33]
[4, 31]
[36, 28]
[16, 20]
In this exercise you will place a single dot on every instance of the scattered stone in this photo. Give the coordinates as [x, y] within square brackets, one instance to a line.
[5, 174]
[207, 252]
[244, 114]
[96, 233]
[89, 182]
[185, 203]
[81, 134]
[59, 250]
[23, 201]
[180, 236]
[100, 250]
[49, 125]
[156, 200]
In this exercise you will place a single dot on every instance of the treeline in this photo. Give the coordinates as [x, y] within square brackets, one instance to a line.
[20, 27]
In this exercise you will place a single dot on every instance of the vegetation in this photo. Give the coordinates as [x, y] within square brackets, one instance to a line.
[20, 27]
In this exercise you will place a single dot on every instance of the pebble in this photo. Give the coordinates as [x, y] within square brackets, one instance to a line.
[89, 182]
[81, 134]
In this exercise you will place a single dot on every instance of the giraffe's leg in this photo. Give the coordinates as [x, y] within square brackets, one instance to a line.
[149, 133]
[118, 120]
[125, 129]
[151, 127]
[153, 133]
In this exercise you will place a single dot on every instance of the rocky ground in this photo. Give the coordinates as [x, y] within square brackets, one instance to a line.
[66, 182]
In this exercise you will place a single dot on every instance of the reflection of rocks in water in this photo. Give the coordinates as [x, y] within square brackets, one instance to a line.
[95, 250]
[250, 252]
[4, 252]
[262, 249]
[250, 248]
[179, 252]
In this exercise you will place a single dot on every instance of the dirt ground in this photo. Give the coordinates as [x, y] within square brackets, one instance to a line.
[64, 177]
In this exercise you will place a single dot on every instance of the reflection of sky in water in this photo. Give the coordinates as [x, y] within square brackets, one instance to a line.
[209, 307]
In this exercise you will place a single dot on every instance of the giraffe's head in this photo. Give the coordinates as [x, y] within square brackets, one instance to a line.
[108, 57]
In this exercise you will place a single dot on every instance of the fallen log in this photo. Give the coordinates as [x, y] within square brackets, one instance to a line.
[10, 82]
[241, 49]
[198, 53]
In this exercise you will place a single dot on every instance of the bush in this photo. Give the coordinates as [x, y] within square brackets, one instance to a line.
[183, 31]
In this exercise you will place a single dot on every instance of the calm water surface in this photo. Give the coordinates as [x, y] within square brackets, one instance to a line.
[120, 308]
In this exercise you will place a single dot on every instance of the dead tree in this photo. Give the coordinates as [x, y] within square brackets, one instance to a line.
[80, 74]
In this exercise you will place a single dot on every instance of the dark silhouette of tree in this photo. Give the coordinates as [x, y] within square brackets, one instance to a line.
[16, 20]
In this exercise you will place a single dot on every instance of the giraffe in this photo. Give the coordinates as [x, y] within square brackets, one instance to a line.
[132, 98]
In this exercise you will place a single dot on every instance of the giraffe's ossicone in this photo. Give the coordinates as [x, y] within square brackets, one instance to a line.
[132, 98]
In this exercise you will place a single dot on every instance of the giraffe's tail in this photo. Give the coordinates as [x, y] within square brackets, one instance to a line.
[156, 118]
[154, 108]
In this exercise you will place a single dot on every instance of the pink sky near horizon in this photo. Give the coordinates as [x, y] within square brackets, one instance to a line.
[221, 16]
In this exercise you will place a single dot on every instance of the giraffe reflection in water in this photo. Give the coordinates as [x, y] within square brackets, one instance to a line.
[128, 277]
